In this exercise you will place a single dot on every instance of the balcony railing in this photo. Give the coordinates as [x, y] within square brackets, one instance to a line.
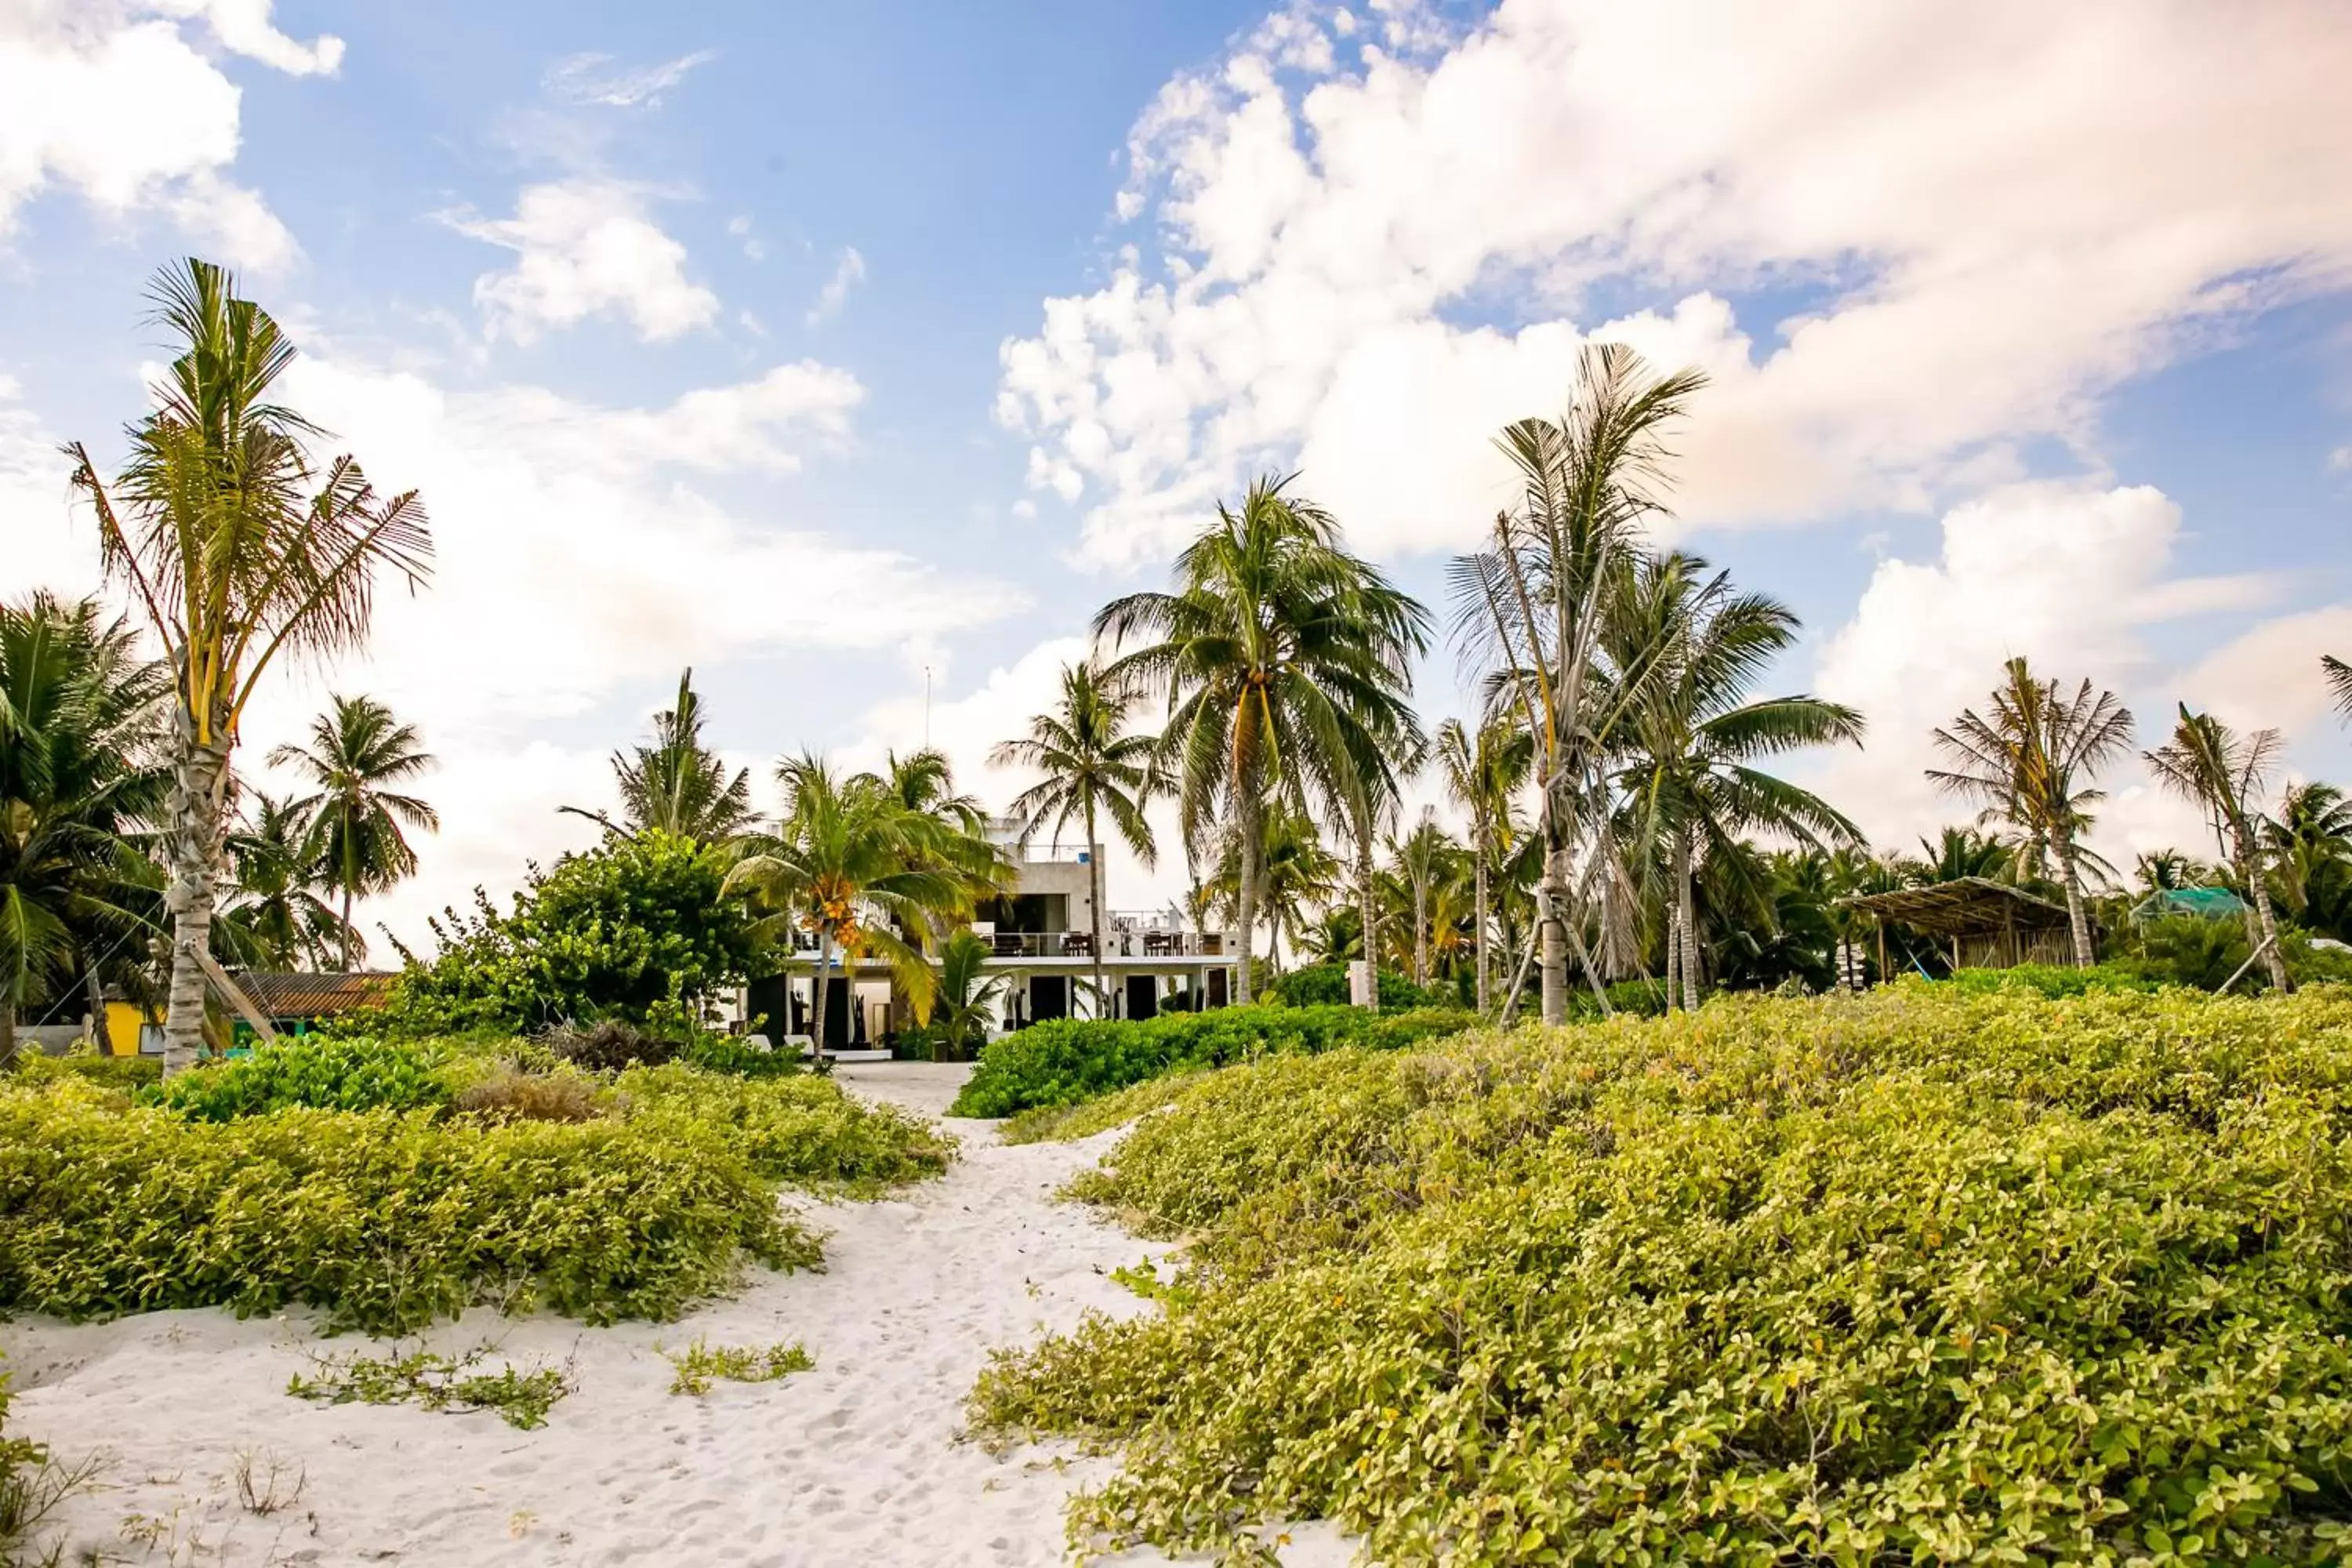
[1130, 942]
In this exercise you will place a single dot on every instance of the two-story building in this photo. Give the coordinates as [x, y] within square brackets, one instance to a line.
[1042, 931]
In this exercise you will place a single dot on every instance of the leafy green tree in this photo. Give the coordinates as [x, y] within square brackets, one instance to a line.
[956, 840]
[849, 862]
[2309, 847]
[1957, 852]
[1483, 776]
[2223, 774]
[1090, 766]
[678, 785]
[236, 547]
[2028, 762]
[638, 930]
[1686, 649]
[1534, 606]
[353, 820]
[79, 778]
[274, 916]
[1285, 664]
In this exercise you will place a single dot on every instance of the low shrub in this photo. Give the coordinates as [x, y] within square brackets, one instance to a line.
[114, 1072]
[322, 1072]
[2052, 980]
[606, 1047]
[507, 1094]
[522, 1398]
[1068, 1060]
[803, 1128]
[701, 1364]
[384, 1219]
[1932, 1275]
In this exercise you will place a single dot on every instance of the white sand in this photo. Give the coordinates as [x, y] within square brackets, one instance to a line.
[858, 1461]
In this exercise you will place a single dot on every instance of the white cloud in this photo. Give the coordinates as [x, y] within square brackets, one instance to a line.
[575, 557]
[1992, 213]
[2269, 677]
[597, 79]
[113, 101]
[583, 247]
[848, 272]
[2071, 579]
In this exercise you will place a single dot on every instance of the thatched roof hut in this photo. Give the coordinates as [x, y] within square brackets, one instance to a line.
[1983, 924]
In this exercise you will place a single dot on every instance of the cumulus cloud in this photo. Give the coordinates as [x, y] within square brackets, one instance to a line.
[115, 102]
[577, 554]
[2269, 677]
[2072, 579]
[848, 272]
[1955, 225]
[595, 79]
[584, 247]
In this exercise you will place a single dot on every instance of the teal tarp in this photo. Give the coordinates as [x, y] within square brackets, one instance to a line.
[2213, 903]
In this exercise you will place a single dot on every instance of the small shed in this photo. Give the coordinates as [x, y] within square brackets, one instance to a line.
[1980, 924]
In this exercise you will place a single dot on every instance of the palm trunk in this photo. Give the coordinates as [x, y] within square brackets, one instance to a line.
[2258, 894]
[1368, 907]
[2077, 919]
[199, 777]
[1687, 921]
[1673, 958]
[1552, 929]
[1095, 909]
[7, 1032]
[1252, 835]
[817, 1001]
[99, 1035]
[347, 928]
[1478, 913]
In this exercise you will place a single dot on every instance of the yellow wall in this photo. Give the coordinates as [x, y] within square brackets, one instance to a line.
[122, 1023]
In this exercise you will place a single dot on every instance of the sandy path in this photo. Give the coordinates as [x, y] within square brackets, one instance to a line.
[855, 1462]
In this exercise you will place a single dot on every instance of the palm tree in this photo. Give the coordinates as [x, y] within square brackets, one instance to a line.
[1286, 661]
[2168, 870]
[677, 785]
[1296, 872]
[2028, 762]
[2340, 681]
[1423, 859]
[1957, 852]
[849, 862]
[237, 548]
[968, 995]
[2309, 844]
[1532, 609]
[274, 917]
[1688, 647]
[1483, 776]
[79, 777]
[1091, 767]
[2223, 773]
[353, 821]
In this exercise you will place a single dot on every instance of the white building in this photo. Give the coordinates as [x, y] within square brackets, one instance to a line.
[1042, 931]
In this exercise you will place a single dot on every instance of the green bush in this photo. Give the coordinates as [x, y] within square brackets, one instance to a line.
[234, 1191]
[2054, 981]
[322, 1072]
[635, 929]
[1926, 1276]
[114, 1072]
[1066, 1061]
[1326, 985]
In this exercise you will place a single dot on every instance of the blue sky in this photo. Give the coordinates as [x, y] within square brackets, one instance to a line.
[818, 344]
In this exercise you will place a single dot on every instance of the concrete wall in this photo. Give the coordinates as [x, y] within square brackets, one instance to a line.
[1068, 878]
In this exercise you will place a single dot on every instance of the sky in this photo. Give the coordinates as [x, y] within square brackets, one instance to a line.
[854, 355]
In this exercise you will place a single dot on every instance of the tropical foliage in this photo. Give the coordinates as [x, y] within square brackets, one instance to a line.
[78, 783]
[1283, 659]
[237, 547]
[678, 786]
[1929, 1276]
[355, 824]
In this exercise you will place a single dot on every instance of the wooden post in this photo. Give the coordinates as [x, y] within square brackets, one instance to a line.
[233, 994]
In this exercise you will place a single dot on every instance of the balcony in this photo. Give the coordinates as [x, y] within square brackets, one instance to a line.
[1116, 943]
